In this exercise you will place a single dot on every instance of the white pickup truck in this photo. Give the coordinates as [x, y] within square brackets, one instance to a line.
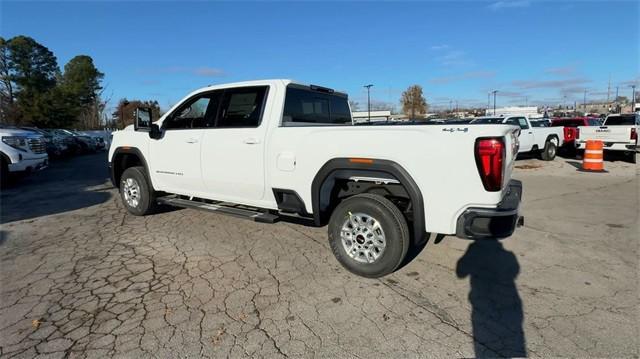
[270, 149]
[20, 151]
[619, 132]
[543, 141]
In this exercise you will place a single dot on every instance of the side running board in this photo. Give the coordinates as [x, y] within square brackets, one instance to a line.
[220, 207]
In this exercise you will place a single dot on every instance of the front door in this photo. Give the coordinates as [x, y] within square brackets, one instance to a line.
[526, 138]
[175, 157]
[233, 151]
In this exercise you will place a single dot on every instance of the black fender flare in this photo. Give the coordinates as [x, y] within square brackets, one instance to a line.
[127, 150]
[371, 165]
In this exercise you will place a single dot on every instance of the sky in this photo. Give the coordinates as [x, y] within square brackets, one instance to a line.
[531, 52]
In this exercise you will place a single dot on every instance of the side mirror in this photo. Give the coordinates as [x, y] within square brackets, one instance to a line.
[154, 131]
[142, 119]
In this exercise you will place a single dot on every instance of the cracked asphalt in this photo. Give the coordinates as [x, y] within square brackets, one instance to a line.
[82, 278]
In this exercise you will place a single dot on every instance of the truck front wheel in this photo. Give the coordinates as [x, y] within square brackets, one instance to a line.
[136, 192]
[549, 151]
[368, 235]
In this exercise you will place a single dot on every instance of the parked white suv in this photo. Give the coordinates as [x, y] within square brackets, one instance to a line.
[21, 151]
[264, 149]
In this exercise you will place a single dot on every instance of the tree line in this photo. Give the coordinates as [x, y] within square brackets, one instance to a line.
[35, 92]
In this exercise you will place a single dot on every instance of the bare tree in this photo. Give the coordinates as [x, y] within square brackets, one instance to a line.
[413, 102]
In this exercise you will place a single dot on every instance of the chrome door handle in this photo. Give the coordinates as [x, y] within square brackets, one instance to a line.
[251, 141]
[192, 140]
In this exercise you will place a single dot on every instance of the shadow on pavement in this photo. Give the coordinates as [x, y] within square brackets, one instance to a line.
[64, 186]
[496, 307]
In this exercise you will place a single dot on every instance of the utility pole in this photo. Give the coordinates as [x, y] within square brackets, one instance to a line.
[494, 92]
[584, 100]
[609, 88]
[456, 108]
[633, 98]
[368, 101]
[488, 100]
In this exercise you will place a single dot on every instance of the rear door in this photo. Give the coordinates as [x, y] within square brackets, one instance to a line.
[233, 150]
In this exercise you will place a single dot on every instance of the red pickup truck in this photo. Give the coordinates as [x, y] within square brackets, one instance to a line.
[571, 125]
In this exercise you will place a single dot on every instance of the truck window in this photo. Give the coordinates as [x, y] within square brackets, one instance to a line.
[302, 106]
[620, 120]
[242, 107]
[197, 112]
[518, 121]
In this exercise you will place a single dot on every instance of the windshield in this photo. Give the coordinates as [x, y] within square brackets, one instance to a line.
[622, 120]
[488, 120]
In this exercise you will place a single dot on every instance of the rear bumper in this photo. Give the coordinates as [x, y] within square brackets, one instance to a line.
[612, 146]
[499, 222]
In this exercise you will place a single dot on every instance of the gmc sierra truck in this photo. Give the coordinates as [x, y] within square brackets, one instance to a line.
[542, 141]
[619, 132]
[269, 149]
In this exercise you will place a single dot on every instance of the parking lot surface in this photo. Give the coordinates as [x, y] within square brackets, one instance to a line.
[81, 277]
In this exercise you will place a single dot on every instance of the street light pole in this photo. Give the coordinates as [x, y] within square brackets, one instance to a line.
[633, 98]
[584, 101]
[494, 92]
[369, 86]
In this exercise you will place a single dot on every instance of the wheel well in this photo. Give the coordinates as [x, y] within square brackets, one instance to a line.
[122, 161]
[550, 137]
[340, 178]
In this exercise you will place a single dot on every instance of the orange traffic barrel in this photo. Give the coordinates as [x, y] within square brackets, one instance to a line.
[592, 160]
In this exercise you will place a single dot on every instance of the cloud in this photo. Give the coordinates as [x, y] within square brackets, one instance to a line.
[563, 70]
[538, 84]
[508, 4]
[462, 77]
[439, 47]
[208, 71]
[635, 81]
[454, 57]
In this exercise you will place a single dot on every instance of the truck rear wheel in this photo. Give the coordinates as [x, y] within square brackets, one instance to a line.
[136, 192]
[368, 235]
[549, 151]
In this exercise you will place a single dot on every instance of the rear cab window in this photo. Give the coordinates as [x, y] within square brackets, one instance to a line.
[315, 106]
[621, 120]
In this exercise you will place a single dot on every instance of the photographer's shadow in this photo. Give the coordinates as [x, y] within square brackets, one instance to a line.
[496, 308]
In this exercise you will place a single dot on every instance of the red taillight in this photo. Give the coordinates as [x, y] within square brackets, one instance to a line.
[568, 133]
[577, 133]
[490, 154]
[634, 134]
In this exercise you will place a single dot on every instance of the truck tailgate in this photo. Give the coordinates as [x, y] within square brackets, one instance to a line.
[605, 133]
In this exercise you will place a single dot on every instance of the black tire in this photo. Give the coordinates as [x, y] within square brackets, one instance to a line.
[146, 203]
[549, 152]
[392, 223]
[632, 156]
